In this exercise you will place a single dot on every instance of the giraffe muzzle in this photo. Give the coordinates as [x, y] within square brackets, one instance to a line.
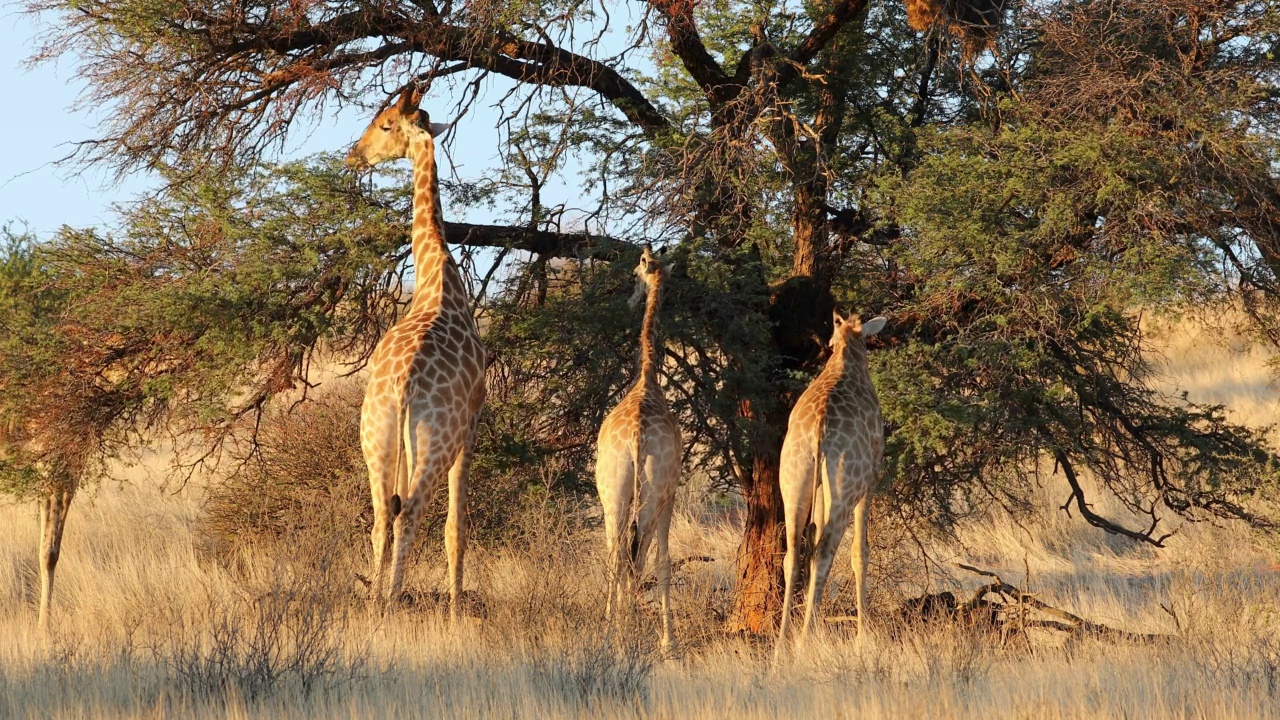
[355, 162]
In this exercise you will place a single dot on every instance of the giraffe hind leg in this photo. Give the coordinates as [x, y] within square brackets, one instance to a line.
[615, 479]
[427, 460]
[797, 506]
[664, 575]
[860, 552]
[380, 535]
[455, 527]
[53, 519]
[826, 539]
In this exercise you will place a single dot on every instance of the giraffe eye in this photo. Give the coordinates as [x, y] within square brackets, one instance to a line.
[386, 128]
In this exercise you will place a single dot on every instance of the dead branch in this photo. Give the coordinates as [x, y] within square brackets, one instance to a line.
[1014, 598]
[544, 243]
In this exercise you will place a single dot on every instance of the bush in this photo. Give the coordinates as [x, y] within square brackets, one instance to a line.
[289, 635]
[305, 486]
[306, 489]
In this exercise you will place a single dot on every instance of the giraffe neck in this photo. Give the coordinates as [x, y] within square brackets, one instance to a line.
[848, 364]
[437, 282]
[649, 344]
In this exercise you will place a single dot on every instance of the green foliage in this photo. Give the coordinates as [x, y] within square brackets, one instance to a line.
[206, 302]
[31, 358]
[561, 362]
[1032, 247]
[1013, 212]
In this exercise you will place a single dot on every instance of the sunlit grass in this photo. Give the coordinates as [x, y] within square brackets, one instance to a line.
[147, 626]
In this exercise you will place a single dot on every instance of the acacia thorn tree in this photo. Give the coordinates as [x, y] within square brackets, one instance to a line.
[1013, 184]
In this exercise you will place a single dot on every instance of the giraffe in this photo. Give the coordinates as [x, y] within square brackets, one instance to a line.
[830, 460]
[638, 464]
[22, 444]
[426, 384]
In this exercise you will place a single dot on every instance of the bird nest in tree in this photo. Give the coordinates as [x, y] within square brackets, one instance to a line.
[974, 21]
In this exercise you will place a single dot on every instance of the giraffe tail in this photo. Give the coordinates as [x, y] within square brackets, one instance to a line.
[402, 465]
[819, 464]
[634, 527]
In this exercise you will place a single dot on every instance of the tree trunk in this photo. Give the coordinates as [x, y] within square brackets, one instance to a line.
[759, 588]
[794, 312]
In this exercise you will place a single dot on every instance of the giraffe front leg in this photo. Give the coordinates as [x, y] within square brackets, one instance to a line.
[53, 519]
[455, 527]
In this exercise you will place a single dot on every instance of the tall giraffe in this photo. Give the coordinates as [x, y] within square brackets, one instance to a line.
[638, 464]
[830, 461]
[58, 487]
[426, 383]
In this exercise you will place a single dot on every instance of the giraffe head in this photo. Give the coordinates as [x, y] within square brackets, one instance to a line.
[389, 135]
[852, 332]
[649, 271]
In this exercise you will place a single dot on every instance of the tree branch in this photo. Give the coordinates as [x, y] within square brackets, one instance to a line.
[545, 243]
[818, 38]
[687, 45]
[1094, 519]
[306, 47]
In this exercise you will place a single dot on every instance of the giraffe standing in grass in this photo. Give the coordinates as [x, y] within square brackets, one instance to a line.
[426, 384]
[830, 461]
[20, 443]
[638, 464]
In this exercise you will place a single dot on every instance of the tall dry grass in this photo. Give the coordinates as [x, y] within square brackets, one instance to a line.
[150, 626]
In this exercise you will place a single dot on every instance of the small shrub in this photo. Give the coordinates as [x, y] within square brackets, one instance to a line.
[292, 636]
[306, 489]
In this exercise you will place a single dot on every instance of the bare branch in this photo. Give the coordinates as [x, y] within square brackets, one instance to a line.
[1094, 519]
[687, 44]
[544, 243]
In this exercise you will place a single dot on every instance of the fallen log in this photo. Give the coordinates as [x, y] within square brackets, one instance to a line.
[1000, 609]
[1014, 597]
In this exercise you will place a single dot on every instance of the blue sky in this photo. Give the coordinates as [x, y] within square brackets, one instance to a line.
[38, 191]
[39, 127]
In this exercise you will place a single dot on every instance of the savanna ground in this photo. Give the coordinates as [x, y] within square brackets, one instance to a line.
[149, 624]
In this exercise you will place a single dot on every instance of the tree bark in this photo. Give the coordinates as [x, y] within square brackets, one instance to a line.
[759, 590]
[797, 311]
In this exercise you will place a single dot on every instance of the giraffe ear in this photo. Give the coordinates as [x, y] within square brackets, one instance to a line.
[873, 326]
[836, 319]
[409, 99]
[438, 129]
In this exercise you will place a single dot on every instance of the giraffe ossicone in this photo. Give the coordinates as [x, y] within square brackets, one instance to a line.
[426, 381]
[830, 462]
[638, 465]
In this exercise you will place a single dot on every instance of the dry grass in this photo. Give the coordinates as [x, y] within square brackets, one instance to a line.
[148, 628]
